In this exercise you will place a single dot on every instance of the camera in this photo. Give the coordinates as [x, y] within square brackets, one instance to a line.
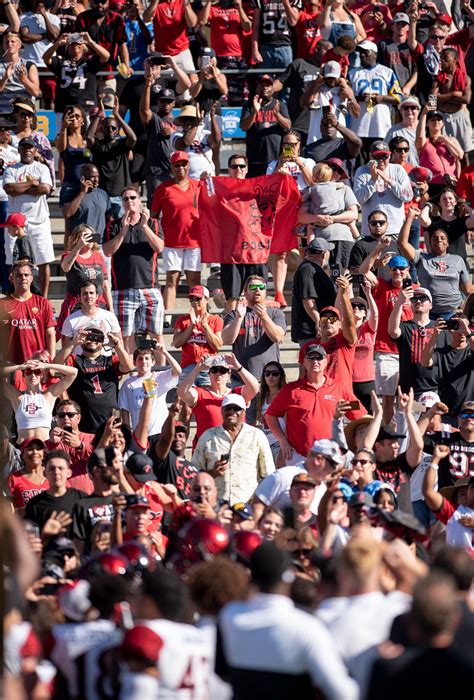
[158, 60]
[95, 336]
[144, 343]
[452, 324]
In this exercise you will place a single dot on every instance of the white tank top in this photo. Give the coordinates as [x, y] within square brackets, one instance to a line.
[33, 412]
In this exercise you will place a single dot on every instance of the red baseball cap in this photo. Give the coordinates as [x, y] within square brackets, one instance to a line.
[330, 308]
[142, 644]
[445, 19]
[199, 291]
[178, 156]
[30, 441]
[15, 219]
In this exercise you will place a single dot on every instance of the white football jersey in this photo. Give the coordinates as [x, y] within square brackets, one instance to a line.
[374, 121]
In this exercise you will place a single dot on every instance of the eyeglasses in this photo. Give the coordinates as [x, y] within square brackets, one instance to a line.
[329, 319]
[37, 372]
[315, 356]
[272, 373]
[398, 268]
[253, 287]
[377, 222]
[358, 306]
[218, 370]
[421, 298]
[465, 415]
[402, 150]
[437, 37]
[191, 299]
[360, 461]
[26, 115]
[383, 157]
[241, 166]
[67, 414]
[303, 552]
[133, 196]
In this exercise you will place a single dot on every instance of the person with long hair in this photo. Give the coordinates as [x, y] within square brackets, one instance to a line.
[337, 20]
[366, 315]
[454, 217]
[34, 407]
[271, 522]
[273, 379]
[31, 481]
[24, 114]
[439, 153]
[73, 149]
[81, 261]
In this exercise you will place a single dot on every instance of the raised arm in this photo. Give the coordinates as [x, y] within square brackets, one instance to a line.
[251, 384]
[163, 446]
[404, 246]
[433, 499]
[231, 330]
[415, 442]
[395, 318]
[343, 302]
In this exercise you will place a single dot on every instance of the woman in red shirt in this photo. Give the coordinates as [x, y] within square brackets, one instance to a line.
[366, 316]
[31, 481]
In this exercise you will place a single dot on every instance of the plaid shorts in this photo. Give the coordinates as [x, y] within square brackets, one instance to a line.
[138, 310]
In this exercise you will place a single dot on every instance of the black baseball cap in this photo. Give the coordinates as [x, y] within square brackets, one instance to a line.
[385, 434]
[141, 467]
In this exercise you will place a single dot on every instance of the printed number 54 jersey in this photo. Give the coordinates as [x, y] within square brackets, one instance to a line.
[274, 27]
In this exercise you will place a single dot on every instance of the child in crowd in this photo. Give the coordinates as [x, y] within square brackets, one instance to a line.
[22, 249]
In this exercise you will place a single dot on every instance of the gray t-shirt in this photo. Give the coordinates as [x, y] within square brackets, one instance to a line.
[252, 347]
[442, 275]
[330, 198]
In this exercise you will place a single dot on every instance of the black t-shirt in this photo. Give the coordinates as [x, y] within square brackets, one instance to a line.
[87, 513]
[134, 263]
[159, 147]
[111, 158]
[361, 250]
[75, 82]
[173, 470]
[264, 136]
[83, 273]
[95, 389]
[394, 471]
[331, 148]
[310, 282]
[460, 461]
[454, 372]
[273, 28]
[456, 232]
[410, 346]
[39, 508]
[297, 77]
[399, 58]
[132, 94]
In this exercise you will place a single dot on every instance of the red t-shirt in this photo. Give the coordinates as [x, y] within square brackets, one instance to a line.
[23, 490]
[226, 31]
[363, 369]
[372, 29]
[169, 28]
[197, 345]
[340, 356]
[156, 506]
[465, 185]
[308, 34]
[309, 412]
[343, 61]
[180, 218]
[385, 297]
[208, 410]
[24, 325]
[80, 478]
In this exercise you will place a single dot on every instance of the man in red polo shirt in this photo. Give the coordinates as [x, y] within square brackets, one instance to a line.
[308, 406]
[175, 200]
[338, 336]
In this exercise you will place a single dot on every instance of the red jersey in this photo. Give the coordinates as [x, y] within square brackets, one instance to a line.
[197, 345]
[343, 61]
[227, 35]
[363, 369]
[309, 411]
[385, 297]
[340, 355]
[169, 28]
[24, 325]
[372, 29]
[308, 34]
[80, 478]
[208, 410]
[23, 490]
[180, 218]
[465, 185]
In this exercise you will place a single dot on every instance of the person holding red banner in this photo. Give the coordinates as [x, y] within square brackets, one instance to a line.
[175, 200]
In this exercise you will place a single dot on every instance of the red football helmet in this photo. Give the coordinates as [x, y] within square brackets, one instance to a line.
[112, 562]
[202, 539]
[136, 555]
[244, 542]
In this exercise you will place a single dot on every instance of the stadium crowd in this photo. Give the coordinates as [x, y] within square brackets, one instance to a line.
[187, 514]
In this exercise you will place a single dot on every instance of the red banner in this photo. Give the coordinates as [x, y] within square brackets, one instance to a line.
[243, 221]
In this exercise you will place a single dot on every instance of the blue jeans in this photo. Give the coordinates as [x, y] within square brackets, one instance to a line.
[277, 57]
[116, 206]
[201, 380]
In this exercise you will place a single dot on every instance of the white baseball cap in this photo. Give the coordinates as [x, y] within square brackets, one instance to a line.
[234, 400]
[367, 46]
[429, 398]
[332, 69]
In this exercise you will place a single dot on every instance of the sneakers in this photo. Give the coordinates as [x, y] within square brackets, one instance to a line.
[280, 299]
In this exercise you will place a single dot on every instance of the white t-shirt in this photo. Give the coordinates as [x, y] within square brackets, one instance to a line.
[274, 490]
[104, 320]
[33, 206]
[293, 169]
[36, 24]
[270, 436]
[131, 397]
[9, 156]
[456, 534]
[328, 97]
[200, 153]
[416, 479]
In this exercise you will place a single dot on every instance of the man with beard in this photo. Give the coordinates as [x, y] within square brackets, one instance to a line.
[98, 506]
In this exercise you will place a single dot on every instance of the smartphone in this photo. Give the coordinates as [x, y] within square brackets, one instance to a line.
[95, 238]
[67, 429]
[416, 191]
[335, 271]
[354, 405]
[377, 8]
[117, 414]
[419, 407]
[205, 61]
[158, 60]
[432, 100]
[225, 458]
[287, 150]
[407, 283]
[32, 529]
[357, 279]
[49, 589]
[198, 499]
[288, 517]
[326, 111]
[452, 324]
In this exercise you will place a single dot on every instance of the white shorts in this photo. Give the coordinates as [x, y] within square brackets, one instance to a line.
[39, 235]
[185, 61]
[386, 373]
[181, 259]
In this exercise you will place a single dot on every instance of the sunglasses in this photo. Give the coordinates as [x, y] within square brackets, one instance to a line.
[241, 166]
[437, 37]
[253, 287]
[329, 319]
[67, 414]
[191, 299]
[26, 115]
[272, 373]
[37, 372]
[397, 267]
[465, 415]
[111, 127]
[377, 222]
[315, 356]
[360, 461]
[358, 306]
[402, 150]
[335, 499]
[420, 298]
[383, 157]
[126, 199]
[409, 107]
[233, 409]
[303, 552]
[218, 370]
